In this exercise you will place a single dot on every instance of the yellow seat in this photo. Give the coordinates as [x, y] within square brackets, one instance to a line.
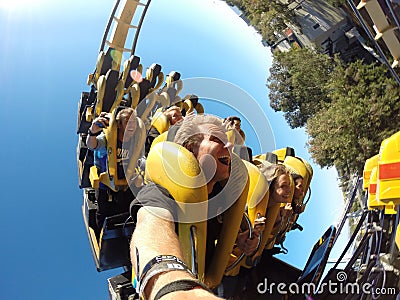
[187, 185]
[110, 177]
[370, 163]
[257, 201]
[279, 229]
[269, 156]
[373, 201]
[160, 121]
[300, 166]
[283, 152]
[389, 170]
[397, 237]
[272, 212]
[296, 166]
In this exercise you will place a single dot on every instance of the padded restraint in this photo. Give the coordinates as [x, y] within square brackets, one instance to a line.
[187, 186]
[160, 121]
[257, 202]
[153, 80]
[283, 152]
[110, 178]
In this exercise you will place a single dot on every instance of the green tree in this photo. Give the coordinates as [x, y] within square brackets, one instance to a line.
[271, 18]
[297, 84]
[365, 109]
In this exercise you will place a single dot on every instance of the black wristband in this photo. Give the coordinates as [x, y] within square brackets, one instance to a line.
[159, 259]
[159, 264]
[180, 285]
[94, 133]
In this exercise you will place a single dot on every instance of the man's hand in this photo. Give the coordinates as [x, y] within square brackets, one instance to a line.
[247, 245]
[259, 225]
[100, 122]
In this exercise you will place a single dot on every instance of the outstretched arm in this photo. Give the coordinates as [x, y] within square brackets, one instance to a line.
[155, 236]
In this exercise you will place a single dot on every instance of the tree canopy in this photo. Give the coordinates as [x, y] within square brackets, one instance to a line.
[269, 17]
[364, 109]
[298, 84]
[347, 109]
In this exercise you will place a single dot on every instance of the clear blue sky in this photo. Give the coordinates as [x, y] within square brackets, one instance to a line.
[47, 49]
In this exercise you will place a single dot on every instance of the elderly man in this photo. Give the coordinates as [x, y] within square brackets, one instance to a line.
[205, 137]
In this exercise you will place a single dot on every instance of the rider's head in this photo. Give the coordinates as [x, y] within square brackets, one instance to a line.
[205, 137]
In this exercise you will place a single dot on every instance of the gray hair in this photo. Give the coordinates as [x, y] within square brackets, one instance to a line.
[191, 133]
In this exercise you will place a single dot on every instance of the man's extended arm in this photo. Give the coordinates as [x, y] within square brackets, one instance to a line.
[155, 236]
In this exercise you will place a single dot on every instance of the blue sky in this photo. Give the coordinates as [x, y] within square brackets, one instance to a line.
[47, 49]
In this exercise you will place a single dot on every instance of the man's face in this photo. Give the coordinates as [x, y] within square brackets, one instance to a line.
[214, 153]
[281, 189]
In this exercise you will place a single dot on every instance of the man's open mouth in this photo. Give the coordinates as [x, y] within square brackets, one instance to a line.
[225, 160]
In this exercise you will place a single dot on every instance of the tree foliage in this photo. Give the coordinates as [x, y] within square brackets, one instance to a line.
[364, 110]
[271, 18]
[298, 84]
[347, 110]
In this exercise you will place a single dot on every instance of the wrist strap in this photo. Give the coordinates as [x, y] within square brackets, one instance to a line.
[91, 133]
[180, 285]
[160, 264]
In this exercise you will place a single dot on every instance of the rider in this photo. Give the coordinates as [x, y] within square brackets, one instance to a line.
[155, 211]
[96, 141]
[173, 115]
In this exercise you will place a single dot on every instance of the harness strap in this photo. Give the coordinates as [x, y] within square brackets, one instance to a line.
[180, 285]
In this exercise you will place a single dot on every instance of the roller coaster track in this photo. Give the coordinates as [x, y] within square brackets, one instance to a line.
[384, 28]
[122, 23]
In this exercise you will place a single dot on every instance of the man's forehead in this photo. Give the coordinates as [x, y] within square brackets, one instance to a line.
[214, 130]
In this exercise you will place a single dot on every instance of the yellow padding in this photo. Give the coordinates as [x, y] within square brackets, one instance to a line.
[296, 166]
[89, 114]
[160, 121]
[134, 92]
[232, 218]
[176, 169]
[150, 75]
[231, 136]
[397, 238]
[161, 138]
[257, 198]
[268, 234]
[370, 163]
[99, 64]
[281, 153]
[94, 177]
[101, 89]
[257, 201]
[389, 170]
[152, 100]
[310, 173]
[137, 150]
[373, 201]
